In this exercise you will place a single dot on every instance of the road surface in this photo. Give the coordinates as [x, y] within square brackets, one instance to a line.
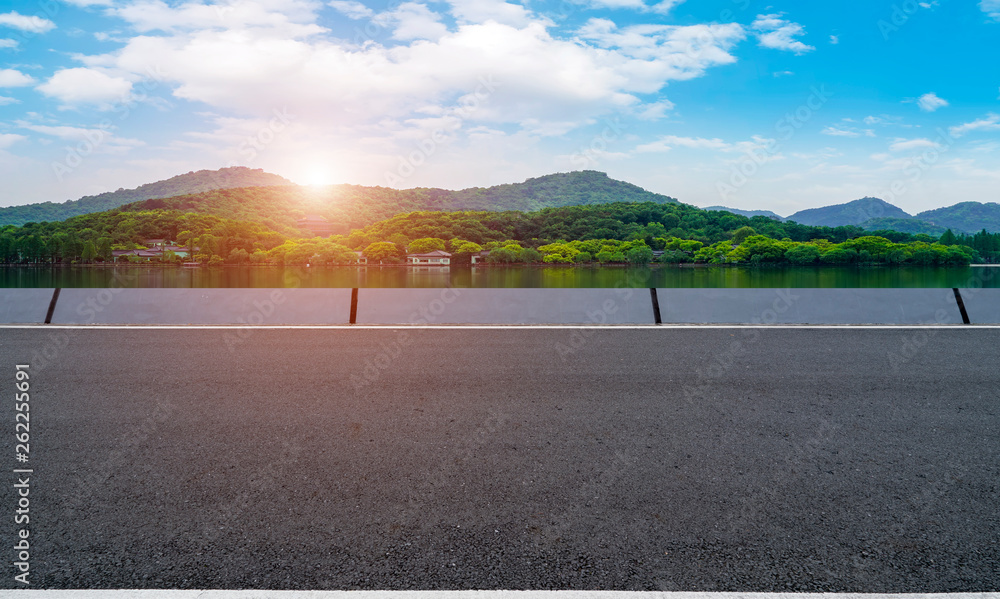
[654, 459]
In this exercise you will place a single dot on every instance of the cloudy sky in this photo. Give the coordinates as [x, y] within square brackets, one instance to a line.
[778, 105]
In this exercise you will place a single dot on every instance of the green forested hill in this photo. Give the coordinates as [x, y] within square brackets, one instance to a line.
[600, 231]
[748, 213]
[851, 213]
[967, 217]
[356, 206]
[903, 225]
[192, 182]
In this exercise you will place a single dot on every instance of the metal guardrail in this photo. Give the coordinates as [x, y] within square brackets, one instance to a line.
[366, 306]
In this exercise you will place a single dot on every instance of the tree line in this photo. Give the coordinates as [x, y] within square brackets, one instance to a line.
[603, 234]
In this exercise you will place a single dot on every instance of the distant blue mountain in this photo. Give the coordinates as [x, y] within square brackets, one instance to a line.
[851, 213]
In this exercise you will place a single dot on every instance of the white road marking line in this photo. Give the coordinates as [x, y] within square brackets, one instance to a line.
[249, 594]
[498, 327]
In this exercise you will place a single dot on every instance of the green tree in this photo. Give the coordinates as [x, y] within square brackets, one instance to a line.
[640, 255]
[739, 235]
[803, 253]
[89, 251]
[839, 255]
[239, 256]
[425, 245]
[531, 256]
[381, 251]
[504, 255]
[466, 247]
[104, 249]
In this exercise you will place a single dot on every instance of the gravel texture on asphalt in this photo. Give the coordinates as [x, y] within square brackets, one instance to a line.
[692, 460]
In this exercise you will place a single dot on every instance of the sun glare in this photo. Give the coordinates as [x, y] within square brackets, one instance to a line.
[318, 176]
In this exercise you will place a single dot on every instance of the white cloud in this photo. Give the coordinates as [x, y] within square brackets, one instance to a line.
[834, 131]
[655, 111]
[664, 52]
[352, 9]
[14, 78]
[990, 122]
[8, 139]
[783, 73]
[615, 4]
[103, 140]
[5, 100]
[86, 3]
[482, 11]
[886, 120]
[31, 24]
[991, 8]
[778, 34]
[536, 75]
[8, 43]
[834, 39]
[85, 86]
[669, 142]
[931, 102]
[290, 18]
[478, 70]
[663, 7]
[547, 128]
[412, 21]
[903, 145]
[65, 131]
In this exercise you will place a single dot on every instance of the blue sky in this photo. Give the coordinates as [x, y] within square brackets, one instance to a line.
[768, 105]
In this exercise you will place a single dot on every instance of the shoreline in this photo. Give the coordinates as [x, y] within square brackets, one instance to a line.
[443, 268]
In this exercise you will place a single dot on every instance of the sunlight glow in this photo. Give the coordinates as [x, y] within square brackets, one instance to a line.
[316, 176]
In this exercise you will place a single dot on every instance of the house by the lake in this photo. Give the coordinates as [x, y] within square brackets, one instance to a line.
[315, 224]
[435, 258]
[156, 248]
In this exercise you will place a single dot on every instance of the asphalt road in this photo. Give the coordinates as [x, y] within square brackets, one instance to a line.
[695, 460]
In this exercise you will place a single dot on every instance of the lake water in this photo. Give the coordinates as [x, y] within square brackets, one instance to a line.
[509, 276]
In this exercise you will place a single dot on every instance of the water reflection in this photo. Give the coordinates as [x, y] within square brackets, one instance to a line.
[511, 276]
